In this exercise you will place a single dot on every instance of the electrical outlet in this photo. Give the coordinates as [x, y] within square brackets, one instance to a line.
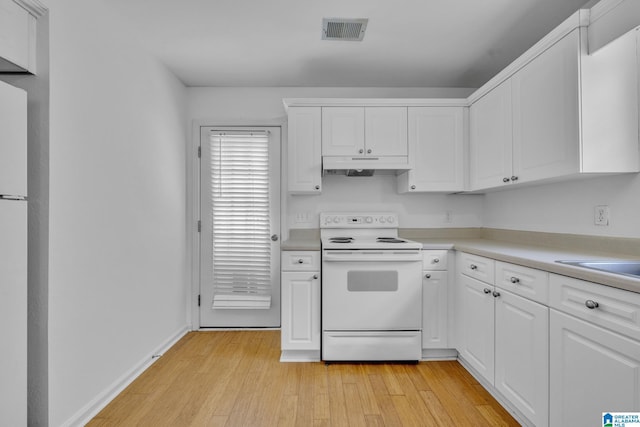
[601, 215]
[302, 217]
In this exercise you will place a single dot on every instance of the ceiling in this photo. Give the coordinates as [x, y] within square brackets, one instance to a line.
[408, 43]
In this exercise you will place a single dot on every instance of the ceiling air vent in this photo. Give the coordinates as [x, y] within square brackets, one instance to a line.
[343, 29]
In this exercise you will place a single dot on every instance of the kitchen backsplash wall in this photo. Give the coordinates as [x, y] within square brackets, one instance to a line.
[378, 193]
[568, 207]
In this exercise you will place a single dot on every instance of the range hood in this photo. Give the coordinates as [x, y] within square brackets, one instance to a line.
[365, 166]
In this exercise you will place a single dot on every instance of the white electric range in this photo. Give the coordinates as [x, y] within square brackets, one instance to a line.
[371, 289]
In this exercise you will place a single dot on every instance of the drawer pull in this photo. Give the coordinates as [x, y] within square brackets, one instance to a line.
[515, 280]
[300, 261]
[496, 294]
[427, 276]
[436, 260]
[315, 276]
[486, 290]
[473, 267]
[591, 304]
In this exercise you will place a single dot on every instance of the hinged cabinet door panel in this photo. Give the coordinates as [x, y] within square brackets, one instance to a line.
[343, 131]
[386, 131]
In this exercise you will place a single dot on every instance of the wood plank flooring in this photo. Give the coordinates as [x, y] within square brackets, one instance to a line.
[234, 378]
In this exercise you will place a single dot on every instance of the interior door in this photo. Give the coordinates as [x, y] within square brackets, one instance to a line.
[240, 227]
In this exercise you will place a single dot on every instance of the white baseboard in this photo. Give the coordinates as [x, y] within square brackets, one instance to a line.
[91, 409]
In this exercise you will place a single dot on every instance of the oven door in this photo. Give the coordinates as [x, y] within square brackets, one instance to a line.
[371, 290]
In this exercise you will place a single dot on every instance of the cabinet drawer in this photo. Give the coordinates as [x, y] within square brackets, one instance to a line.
[614, 309]
[524, 281]
[477, 267]
[434, 259]
[301, 260]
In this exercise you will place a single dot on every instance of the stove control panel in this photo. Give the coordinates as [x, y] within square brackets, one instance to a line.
[359, 220]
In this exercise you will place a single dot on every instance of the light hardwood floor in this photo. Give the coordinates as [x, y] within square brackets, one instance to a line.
[234, 378]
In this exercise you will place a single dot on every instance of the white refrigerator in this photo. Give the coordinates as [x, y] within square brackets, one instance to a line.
[13, 256]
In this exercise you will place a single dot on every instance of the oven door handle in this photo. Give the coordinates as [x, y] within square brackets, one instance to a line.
[370, 256]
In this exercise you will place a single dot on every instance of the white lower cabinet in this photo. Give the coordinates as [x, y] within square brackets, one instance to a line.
[504, 338]
[522, 355]
[300, 329]
[476, 323]
[435, 299]
[593, 370]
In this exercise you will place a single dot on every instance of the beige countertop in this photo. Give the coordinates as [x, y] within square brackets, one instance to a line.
[529, 249]
[540, 257]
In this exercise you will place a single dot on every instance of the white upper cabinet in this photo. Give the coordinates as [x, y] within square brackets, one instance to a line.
[385, 131]
[364, 131]
[304, 151]
[17, 38]
[13, 141]
[561, 114]
[342, 131]
[545, 105]
[491, 144]
[436, 147]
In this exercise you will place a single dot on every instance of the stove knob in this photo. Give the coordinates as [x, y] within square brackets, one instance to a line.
[382, 220]
[390, 219]
[336, 219]
[368, 220]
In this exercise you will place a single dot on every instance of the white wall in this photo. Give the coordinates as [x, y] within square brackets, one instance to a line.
[569, 207]
[117, 247]
[249, 105]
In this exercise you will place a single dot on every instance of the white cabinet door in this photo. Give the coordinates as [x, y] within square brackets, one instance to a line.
[300, 310]
[385, 131]
[522, 355]
[491, 139]
[546, 98]
[343, 131]
[16, 37]
[476, 329]
[13, 141]
[434, 309]
[304, 150]
[13, 313]
[436, 148]
[592, 371]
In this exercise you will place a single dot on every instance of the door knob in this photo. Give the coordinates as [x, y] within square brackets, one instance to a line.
[274, 237]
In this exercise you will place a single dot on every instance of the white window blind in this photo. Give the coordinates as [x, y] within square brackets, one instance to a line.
[241, 220]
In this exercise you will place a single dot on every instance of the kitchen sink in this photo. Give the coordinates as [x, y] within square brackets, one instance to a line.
[627, 268]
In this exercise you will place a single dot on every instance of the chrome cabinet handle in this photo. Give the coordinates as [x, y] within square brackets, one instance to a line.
[361, 151]
[505, 179]
[486, 290]
[369, 151]
[496, 294]
[427, 276]
[473, 267]
[317, 187]
[515, 280]
[436, 260]
[413, 187]
[315, 276]
[274, 237]
[300, 261]
[591, 304]
[514, 178]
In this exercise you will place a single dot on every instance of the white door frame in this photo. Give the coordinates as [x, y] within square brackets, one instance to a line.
[193, 203]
